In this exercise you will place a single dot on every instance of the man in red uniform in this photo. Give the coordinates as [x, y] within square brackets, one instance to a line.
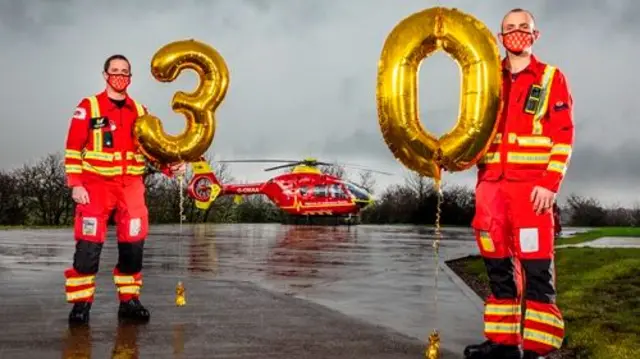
[104, 169]
[517, 184]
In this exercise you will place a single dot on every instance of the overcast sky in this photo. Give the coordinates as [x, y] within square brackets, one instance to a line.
[303, 76]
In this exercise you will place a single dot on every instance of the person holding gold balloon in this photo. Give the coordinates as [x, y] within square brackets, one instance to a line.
[518, 179]
[104, 169]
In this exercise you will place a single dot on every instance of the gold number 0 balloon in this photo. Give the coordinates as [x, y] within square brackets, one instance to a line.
[475, 50]
[198, 107]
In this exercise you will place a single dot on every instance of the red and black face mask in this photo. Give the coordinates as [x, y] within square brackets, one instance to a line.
[518, 40]
[119, 82]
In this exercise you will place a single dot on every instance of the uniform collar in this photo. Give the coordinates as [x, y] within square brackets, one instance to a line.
[128, 102]
[535, 66]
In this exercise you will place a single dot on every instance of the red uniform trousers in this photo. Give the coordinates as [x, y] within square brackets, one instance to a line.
[125, 195]
[517, 247]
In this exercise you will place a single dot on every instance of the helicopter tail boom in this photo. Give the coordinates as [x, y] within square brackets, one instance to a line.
[243, 189]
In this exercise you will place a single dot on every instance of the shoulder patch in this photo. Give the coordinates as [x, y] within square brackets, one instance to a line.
[80, 113]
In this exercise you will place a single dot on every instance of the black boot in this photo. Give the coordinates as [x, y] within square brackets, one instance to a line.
[80, 313]
[528, 354]
[491, 350]
[133, 310]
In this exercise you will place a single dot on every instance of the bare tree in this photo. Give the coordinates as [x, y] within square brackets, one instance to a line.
[334, 170]
[11, 204]
[419, 184]
[366, 180]
[43, 187]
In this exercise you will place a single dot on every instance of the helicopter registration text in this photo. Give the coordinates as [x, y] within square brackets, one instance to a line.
[248, 190]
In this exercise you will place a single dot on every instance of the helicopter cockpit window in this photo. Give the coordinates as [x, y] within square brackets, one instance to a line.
[359, 192]
[320, 191]
[336, 191]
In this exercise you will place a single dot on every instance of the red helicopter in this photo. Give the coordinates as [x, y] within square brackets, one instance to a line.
[305, 191]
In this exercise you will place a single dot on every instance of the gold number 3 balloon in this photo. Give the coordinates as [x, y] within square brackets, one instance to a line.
[198, 107]
[475, 50]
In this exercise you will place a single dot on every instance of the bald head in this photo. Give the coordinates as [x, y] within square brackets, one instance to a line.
[518, 19]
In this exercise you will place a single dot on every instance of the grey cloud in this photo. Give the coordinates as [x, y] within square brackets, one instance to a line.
[303, 75]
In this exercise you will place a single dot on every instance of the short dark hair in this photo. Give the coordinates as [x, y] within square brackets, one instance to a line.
[518, 9]
[107, 62]
[515, 11]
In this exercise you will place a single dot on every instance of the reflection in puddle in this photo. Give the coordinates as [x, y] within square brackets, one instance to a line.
[303, 251]
[202, 250]
[78, 342]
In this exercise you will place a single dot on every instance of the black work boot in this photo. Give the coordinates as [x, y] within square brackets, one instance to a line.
[528, 354]
[80, 313]
[491, 350]
[133, 310]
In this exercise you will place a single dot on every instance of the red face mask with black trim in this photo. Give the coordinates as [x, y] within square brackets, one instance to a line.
[119, 82]
[517, 41]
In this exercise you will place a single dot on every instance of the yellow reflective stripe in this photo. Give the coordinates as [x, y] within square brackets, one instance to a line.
[97, 140]
[81, 294]
[135, 170]
[138, 157]
[139, 108]
[528, 158]
[498, 138]
[502, 309]
[73, 168]
[491, 157]
[95, 107]
[73, 154]
[78, 281]
[105, 171]
[536, 141]
[561, 149]
[102, 156]
[544, 318]
[542, 337]
[505, 328]
[124, 279]
[547, 79]
[557, 166]
[130, 289]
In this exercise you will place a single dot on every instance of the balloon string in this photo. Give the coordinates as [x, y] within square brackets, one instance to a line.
[436, 247]
[182, 216]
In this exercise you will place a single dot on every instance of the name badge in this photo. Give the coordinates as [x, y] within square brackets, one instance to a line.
[533, 99]
[99, 122]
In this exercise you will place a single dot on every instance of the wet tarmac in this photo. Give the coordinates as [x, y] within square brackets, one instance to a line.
[253, 291]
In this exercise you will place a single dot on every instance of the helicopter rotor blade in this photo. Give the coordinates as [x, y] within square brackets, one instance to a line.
[366, 169]
[322, 164]
[360, 168]
[257, 161]
[282, 166]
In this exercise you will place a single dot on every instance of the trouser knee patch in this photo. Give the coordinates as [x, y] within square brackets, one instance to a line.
[130, 257]
[501, 277]
[539, 279]
[86, 259]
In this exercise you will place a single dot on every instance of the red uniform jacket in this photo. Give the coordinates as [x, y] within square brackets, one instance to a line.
[100, 141]
[535, 133]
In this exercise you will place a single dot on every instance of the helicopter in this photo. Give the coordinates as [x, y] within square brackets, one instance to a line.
[304, 191]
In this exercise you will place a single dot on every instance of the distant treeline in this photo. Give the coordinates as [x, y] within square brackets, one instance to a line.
[36, 194]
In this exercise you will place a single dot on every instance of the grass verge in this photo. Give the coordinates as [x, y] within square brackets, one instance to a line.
[24, 227]
[598, 293]
[599, 233]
